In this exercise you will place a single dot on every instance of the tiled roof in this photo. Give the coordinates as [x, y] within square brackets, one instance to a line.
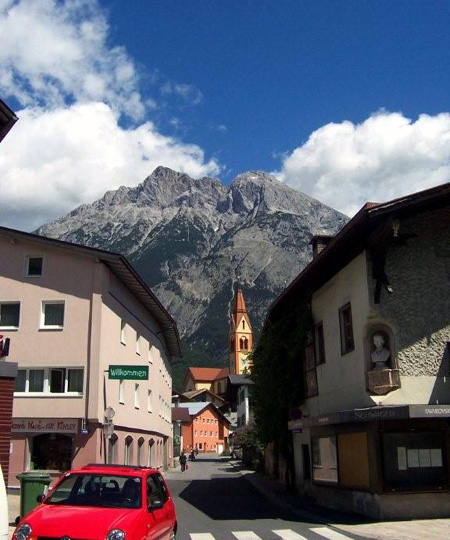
[180, 414]
[207, 373]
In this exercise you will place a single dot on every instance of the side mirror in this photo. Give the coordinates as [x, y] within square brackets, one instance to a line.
[155, 504]
[40, 498]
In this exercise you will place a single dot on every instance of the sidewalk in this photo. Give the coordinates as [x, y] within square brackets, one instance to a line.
[429, 529]
[13, 510]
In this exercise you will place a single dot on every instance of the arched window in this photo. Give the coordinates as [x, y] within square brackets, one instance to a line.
[112, 446]
[151, 443]
[243, 343]
[141, 441]
[243, 324]
[128, 457]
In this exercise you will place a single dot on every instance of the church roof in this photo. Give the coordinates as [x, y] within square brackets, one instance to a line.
[208, 373]
[239, 302]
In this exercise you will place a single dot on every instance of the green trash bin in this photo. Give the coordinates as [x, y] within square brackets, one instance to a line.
[32, 484]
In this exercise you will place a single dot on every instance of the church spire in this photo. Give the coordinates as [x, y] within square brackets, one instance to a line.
[240, 335]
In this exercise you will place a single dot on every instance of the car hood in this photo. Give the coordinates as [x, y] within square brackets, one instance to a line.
[80, 521]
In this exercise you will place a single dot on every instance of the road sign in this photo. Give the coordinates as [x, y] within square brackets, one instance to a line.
[136, 373]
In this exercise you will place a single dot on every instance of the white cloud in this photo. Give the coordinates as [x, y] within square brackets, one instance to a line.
[53, 52]
[69, 145]
[386, 156]
[188, 93]
[53, 161]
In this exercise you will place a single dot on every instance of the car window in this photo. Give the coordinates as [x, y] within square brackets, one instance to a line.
[97, 490]
[156, 489]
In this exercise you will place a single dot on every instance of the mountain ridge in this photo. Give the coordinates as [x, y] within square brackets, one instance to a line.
[192, 240]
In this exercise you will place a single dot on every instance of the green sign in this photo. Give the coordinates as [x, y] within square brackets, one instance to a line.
[135, 373]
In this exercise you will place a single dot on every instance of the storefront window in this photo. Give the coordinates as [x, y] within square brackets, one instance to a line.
[414, 460]
[324, 460]
[51, 452]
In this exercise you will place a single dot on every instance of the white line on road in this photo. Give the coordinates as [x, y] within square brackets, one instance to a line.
[288, 534]
[201, 536]
[330, 534]
[246, 535]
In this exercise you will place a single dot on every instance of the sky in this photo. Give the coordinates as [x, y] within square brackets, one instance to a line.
[345, 100]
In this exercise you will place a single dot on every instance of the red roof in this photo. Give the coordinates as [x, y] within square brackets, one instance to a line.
[208, 373]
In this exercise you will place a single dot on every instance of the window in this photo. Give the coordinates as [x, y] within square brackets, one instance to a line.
[415, 461]
[52, 316]
[138, 343]
[123, 328]
[33, 265]
[121, 391]
[50, 381]
[346, 326]
[136, 396]
[324, 457]
[140, 454]
[128, 456]
[150, 353]
[243, 342]
[9, 314]
[149, 401]
[311, 387]
[243, 325]
[320, 344]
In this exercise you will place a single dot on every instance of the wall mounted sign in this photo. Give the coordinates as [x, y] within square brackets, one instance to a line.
[135, 373]
[45, 425]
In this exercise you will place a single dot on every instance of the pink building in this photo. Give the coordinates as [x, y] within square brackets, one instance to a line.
[94, 348]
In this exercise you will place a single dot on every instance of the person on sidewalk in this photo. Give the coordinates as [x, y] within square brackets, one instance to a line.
[183, 460]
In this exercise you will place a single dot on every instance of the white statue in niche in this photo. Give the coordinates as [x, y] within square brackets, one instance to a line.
[381, 354]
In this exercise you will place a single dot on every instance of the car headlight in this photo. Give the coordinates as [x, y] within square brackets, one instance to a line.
[23, 532]
[115, 534]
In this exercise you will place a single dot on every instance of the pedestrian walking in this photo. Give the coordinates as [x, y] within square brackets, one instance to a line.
[183, 460]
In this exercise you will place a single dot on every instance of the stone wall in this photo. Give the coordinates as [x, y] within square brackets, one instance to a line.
[418, 311]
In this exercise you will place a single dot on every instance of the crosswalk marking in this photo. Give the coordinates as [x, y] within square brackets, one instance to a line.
[288, 534]
[246, 535]
[284, 534]
[329, 533]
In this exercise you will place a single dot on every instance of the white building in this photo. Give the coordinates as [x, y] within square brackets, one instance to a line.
[373, 433]
[89, 336]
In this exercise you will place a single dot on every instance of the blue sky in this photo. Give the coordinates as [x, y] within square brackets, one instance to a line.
[345, 100]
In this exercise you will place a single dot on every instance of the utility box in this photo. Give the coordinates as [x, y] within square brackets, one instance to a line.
[32, 484]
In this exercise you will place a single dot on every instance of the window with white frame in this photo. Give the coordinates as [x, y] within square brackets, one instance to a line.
[121, 391]
[150, 353]
[50, 381]
[136, 395]
[9, 315]
[34, 265]
[52, 314]
[123, 332]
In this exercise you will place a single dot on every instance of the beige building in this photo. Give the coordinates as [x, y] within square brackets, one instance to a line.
[373, 434]
[94, 348]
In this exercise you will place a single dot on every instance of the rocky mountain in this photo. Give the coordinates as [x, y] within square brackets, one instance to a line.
[193, 240]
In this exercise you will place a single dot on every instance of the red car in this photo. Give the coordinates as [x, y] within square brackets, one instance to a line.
[103, 502]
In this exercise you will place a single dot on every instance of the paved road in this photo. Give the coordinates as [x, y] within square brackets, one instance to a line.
[214, 502]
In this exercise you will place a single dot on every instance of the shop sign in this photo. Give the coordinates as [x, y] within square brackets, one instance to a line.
[135, 373]
[421, 411]
[44, 425]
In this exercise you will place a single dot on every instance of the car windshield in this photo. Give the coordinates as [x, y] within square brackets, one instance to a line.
[97, 490]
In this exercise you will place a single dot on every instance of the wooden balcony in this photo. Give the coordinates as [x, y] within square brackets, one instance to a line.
[383, 381]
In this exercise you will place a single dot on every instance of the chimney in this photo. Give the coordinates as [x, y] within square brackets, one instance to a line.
[319, 242]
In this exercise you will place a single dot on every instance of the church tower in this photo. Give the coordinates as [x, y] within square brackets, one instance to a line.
[240, 336]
